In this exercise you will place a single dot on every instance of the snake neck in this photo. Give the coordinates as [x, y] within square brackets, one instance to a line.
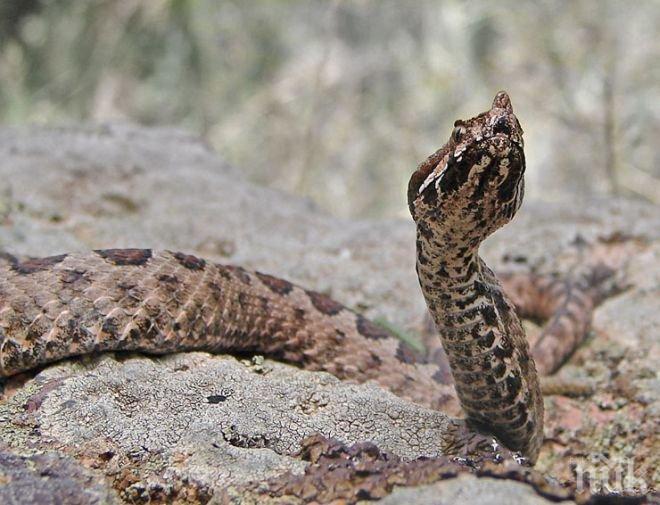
[495, 378]
[455, 284]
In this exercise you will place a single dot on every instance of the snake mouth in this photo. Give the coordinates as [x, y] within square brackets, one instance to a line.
[504, 138]
[496, 147]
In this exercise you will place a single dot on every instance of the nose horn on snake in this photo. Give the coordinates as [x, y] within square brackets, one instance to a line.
[502, 101]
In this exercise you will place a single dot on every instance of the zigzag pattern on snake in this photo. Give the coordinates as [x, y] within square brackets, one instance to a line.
[162, 302]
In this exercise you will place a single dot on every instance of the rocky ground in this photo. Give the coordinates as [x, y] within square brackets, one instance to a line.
[216, 429]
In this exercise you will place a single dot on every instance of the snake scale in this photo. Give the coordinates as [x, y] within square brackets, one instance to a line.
[162, 302]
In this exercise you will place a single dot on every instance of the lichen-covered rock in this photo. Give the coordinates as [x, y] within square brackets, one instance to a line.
[211, 419]
[185, 427]
[362, 471]
[50, 479]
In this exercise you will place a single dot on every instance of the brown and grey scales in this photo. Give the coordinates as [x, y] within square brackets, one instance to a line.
[458, 197]
[162, 302]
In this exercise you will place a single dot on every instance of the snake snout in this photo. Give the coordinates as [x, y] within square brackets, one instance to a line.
[502, 126]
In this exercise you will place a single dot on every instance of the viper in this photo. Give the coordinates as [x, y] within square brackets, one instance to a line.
[161, 302]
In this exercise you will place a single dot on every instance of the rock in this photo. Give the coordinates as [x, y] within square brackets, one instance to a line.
[363, 472]
[50, 479]
[468, 487]
[189, 427]
[211, 419]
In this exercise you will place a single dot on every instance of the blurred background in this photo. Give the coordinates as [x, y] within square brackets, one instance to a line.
[340, 100]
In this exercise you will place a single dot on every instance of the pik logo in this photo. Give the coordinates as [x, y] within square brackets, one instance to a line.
[602, 475]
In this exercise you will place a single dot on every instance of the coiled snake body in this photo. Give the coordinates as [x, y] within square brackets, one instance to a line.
[161, 302]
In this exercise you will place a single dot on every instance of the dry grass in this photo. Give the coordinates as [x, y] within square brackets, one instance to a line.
[340, 100]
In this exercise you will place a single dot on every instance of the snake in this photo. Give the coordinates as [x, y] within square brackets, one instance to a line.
[159, 302]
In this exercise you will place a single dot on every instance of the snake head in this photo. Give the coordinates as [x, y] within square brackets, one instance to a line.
[474, 184]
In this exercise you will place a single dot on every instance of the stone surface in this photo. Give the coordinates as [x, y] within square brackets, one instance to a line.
[208, 419]
[469, 489]
[50, 479]
[161, 429]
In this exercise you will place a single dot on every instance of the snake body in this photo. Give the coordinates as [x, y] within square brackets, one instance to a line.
[162, 302]
[458, 197]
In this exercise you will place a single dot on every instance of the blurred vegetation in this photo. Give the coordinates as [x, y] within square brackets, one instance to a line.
[340, 100]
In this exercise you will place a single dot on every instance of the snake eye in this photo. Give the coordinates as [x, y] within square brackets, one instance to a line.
[458, 132]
